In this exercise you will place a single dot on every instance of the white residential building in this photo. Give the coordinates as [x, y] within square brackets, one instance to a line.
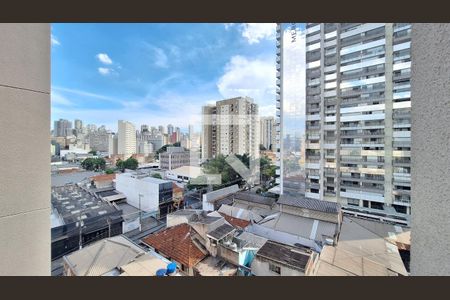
[126, 138]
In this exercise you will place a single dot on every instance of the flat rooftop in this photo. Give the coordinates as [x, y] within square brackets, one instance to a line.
[287, 255]
[254, 198]
[70, 178]
[70, 201]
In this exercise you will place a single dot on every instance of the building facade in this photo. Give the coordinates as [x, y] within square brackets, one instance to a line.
[358, 116]
[267, 131]
[126, 143]
[230, 126]
[173, 158]
[62, 127]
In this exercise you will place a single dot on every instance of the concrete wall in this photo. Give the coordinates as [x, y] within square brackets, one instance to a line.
[430, 193]
[25, 179]
[132, 187]
[261, 268]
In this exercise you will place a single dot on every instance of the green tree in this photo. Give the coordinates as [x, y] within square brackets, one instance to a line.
[156, 175]
[109, 171]
[120, 164]
[93, 152]
[93, 164]
[130, 163]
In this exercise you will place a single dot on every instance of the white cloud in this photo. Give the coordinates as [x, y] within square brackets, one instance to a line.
[104, 58]
[249, 77]
[160, 58]
[55, 41]
[58, 99]
[228, 25]
[104, 71]
[255, 32]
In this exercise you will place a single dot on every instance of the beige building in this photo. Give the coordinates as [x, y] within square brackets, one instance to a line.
[267, 132]
[126, 143]
[230, 127]
[25, 182]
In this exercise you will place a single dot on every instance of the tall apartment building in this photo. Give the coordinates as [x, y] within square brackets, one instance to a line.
[126, 143]
[358, 116]
[62, 127]
[267, 132]
[169, 129]
[230, 126]
[101, 141]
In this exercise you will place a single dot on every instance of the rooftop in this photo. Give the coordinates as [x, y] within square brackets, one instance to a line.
[238, 223]
[71, 201]
[70, 178]
[145, 265]
[103, 256]
[189, 171]
[312, 204]
[176, 243]
[104, 177]
[287, 255]
[214, 266]
[255, 198]
[221, 232]
[360, 252]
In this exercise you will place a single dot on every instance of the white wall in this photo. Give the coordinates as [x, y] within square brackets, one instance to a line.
[261, 268]
[132, 187]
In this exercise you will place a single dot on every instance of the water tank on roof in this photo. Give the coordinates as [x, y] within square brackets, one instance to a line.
[171, 268]
[161, 272]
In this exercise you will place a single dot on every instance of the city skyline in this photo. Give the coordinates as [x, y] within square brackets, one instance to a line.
[158, 73]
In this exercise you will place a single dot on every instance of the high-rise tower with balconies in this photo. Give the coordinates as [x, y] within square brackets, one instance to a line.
[358, 117]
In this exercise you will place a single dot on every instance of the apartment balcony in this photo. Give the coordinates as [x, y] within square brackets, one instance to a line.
[312, 56]
[310, 91]
[312, 73]
[330, 60]
[313, 99]
[397, 76]
[312, 127]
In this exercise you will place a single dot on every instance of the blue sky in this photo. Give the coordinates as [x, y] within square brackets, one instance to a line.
[157, 74]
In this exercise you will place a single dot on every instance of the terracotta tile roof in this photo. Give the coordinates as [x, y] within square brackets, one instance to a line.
[238, 223]
[176, 243]
[104, 177]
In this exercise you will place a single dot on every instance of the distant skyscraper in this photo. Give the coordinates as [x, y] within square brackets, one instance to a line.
[169, 129]
[62, 127]
[267, 131]
[144, 128]
[91, 128]
[78, 126]
[231, 127]
[126, 138]
[161, 129]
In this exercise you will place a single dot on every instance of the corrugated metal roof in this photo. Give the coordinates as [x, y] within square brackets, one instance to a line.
[103, 256]
[312, 204]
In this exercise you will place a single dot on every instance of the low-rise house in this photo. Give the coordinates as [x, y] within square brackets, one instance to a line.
[102, 258]
[177, 243]
[213, 200]
[275, 259]
[116, 256]
[257, 204]
[152, 195]
[239, 213]
[103, 180]
[184, 173]
[214, 266]
[359, 252]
